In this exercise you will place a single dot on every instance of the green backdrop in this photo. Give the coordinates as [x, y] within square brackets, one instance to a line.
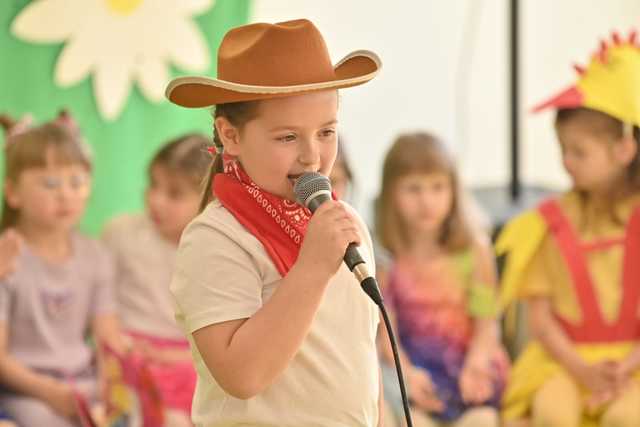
[123, 147]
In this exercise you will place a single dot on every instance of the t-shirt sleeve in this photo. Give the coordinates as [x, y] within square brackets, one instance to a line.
[105, 273]
[215, 279]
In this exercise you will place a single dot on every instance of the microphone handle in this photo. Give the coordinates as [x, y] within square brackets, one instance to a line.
[352, 256]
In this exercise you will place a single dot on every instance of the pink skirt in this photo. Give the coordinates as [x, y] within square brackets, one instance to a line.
[176, 382]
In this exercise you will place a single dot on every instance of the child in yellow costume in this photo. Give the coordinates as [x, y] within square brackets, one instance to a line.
[576, 260]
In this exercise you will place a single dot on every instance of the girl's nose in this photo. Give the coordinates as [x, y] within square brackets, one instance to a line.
[64, 190]
[309, 153]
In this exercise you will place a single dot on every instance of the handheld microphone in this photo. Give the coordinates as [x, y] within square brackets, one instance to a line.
[313, 189]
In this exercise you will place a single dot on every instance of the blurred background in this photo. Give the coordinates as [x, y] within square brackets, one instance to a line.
[463, 69]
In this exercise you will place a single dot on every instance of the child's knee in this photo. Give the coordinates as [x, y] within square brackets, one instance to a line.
[625, 411]
[551, 418]
[621, 418]
[546, 412]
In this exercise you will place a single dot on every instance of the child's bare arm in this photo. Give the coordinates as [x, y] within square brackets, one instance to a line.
[629, 365]
[546, 329]
[485, 336]
[475, 379]
[106, 329]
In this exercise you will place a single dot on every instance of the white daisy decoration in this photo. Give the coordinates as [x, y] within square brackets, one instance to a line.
[118, 42]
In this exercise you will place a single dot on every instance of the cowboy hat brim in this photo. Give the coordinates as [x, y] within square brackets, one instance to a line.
[194, 92]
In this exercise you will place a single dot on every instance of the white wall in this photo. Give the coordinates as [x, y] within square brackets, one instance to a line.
[445, 70]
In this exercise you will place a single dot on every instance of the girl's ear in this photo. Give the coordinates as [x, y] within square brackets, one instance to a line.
[626, 150]
[229, 135]
[11, 195]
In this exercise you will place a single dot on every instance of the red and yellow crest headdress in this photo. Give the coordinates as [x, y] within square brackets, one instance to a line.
[610, 83]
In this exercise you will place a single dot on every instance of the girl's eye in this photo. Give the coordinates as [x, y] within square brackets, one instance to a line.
[327, 133]
[175, 194]
[576, 154]
[77, 181]
[287, 138]
[51, 183]
[440, 186]
[413, 188]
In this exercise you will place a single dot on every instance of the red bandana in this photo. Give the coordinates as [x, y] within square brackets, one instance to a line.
[278, 224]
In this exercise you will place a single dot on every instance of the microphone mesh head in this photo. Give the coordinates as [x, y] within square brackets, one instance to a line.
[308, 184]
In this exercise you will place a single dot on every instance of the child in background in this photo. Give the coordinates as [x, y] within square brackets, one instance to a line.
[280, 331]
[439, 289]
[575, 260]
[144, 247]
[61, 286]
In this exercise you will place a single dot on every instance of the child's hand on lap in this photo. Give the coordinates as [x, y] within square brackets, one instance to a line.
[61, 399]
[601, 381]
[422, 391]
[475, 381]
[620, 373]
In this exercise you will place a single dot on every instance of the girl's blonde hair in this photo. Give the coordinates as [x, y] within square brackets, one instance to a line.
[421, 153]
[34, 147]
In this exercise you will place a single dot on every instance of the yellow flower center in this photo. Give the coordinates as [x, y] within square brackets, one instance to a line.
[123, 7]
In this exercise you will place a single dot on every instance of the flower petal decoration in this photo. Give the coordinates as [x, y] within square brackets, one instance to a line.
[118, 43]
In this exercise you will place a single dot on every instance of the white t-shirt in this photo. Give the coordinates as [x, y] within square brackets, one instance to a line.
[223, 273]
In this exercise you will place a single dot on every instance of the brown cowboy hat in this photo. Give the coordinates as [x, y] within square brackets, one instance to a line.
[261, 61]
